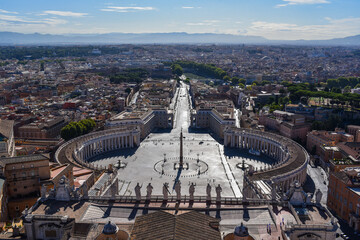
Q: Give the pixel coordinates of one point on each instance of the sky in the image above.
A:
(272, 19)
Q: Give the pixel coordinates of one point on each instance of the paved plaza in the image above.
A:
(204, 156)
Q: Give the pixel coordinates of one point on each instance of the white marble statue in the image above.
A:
(208, 192)
(178, 190)
(43, 191)
(85, 190)
(192, 191)
(273, 192)
(318, 196)
(166, 191)
(149, 189)
(63, 190)
(138, 192)
(218, 190)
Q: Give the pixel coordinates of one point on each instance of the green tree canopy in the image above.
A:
(177, 69)
(75, 129)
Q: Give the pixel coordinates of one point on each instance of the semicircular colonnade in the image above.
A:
(290, 158)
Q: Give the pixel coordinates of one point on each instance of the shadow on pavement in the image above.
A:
(309, 185)
(244, 153)
(127, 152)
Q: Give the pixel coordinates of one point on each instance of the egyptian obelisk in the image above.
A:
(181, 149)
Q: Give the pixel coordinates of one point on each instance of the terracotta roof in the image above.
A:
(20, 159)
(342, 176)
(55, 171)
(72, 209)
(78, 181)
(194, 225)
(81, 229)
(158, 225)
(81, 171)
(163, 225)
(346, 148)
(5, 127)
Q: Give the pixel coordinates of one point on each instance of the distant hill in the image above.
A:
(12, 38)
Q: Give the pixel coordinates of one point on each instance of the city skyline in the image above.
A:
(274, 20)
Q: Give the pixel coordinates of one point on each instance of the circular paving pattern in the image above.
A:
(192, 167)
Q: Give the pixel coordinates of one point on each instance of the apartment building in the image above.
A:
(316, 138)
(23, 177)
(146, 120)
(355, 131)
(48, 128)
(211, 118)
(287, 124)
(344, 195)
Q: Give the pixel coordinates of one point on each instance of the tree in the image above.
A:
(75, 129)
(331, 83)
(128, 90)
(347, 89)
(271, 100)
(285, 83)
(127, 75)
(284, 100)
(242, 80)
(343, 82)
(42, 65)
(317, 125)
(353, 81)
(235, 81)
(312, 87)
(206, 70)
(227, 78)
(304, 100)
(241, 85)
(177, 69)
(263, 83)
(336, 90)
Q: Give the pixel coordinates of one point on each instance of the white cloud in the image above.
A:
(332, 29)
(13, 20)
(204, 23)
(9, 18)
(301, 2)
(64, 13)
(127, 9)
(187, 7)
(4, 11)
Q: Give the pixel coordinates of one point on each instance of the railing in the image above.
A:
(307, 158)
(184, 199)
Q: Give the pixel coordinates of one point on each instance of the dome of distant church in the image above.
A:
(241, 231)
(110, 228)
